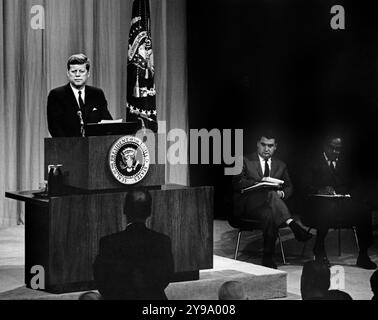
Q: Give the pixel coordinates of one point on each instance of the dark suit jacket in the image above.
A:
(62, 108)
(251, 174)
(135, 264)
(317, 174)
(327, 212)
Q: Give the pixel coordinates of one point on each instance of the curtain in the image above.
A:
(33, 61)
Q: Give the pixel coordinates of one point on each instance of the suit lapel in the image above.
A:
(274, 168)
(256, 161)
(87, 102)
(328, 168)
(71, 98)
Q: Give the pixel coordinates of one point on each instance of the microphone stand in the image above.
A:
(82, 130)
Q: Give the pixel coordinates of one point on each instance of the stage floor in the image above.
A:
(356, 279)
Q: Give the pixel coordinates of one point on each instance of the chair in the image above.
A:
(337, 225)
(311, 221)
(338, 228)
(243, 224)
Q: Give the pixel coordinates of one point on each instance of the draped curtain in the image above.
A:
(33, 61)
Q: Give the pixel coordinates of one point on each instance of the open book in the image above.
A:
(266, 182)
(331, 195)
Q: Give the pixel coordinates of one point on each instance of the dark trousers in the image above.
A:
(272, 211)
(326, 213)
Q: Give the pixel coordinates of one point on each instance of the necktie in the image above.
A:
(267, 170)
(81, 102)
(332, 166)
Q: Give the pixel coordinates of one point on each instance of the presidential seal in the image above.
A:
(129, 160)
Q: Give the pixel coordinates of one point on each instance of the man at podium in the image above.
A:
(72, 106)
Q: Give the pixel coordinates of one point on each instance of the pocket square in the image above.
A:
(94, 109)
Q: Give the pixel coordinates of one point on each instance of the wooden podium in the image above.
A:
(62, 233)
(84, 163)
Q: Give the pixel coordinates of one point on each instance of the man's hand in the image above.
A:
(328, 190)
(281, 194)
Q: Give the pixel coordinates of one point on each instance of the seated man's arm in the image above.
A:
(288, 185)
(242, 180)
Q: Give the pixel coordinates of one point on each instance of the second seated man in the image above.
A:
(325, 180)
(265, 204)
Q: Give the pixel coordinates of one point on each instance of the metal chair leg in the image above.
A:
(282, 250)
(339, 236)
(305, 244)
(356, 238)
(237, 244)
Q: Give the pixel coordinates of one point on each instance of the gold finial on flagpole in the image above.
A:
(136, 88)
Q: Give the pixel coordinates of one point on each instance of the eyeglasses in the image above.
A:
(334, 148)
(269, 145)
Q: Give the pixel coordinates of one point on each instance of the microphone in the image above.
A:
(146, 117)
(82, 130)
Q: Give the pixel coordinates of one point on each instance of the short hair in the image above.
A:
(231, 290)
(267, 133)
(331, 136)
(90, 295)
(79, 58)
(138, 205)
(337, 295)
(374, 282)
(316, 275)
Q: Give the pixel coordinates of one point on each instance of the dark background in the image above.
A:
(280, 63)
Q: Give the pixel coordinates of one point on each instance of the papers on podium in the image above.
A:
(266, 182)
(111, 121)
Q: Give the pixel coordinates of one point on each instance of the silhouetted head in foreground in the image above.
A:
(337, 295)
(315, 280)
(137, 205)
(231, 290)
(91, 295)
(374, 284)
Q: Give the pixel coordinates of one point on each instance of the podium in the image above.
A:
(62, 233)
(84, 163)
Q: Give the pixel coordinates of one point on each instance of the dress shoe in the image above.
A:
(323, 259)
(269, 263)
(363, 261)
(300, 234)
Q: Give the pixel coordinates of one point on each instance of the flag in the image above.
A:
(141, 92)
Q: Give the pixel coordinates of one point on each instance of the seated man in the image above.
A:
(324, 179)
(137, 263)
(75, 104)
(266, 205)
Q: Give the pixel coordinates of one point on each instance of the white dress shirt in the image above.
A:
(262, 163)
(329, 161)
(76, 94)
